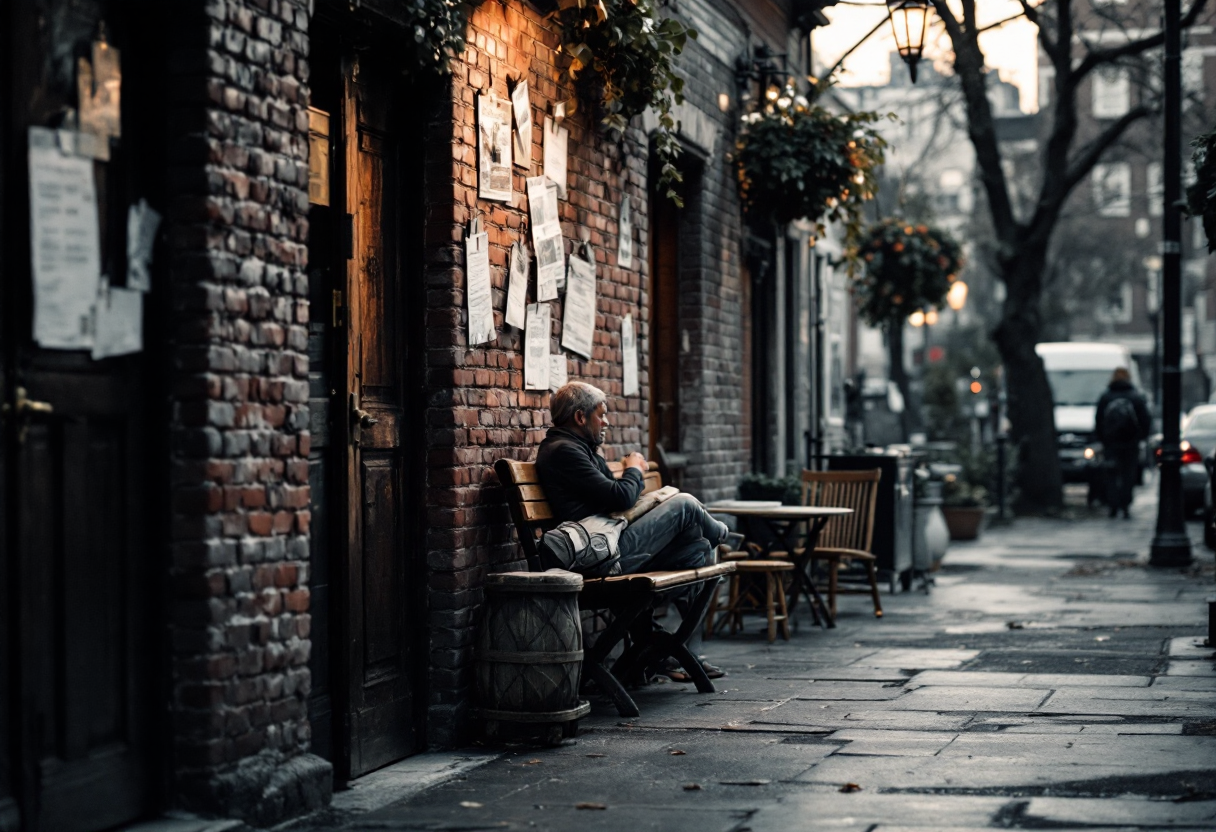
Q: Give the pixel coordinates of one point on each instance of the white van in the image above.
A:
(1078, 373)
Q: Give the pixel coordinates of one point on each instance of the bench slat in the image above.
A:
(522, 473)
(535, 512)
(531, 493)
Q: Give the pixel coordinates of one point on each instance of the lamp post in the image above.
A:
(1171, 546)
(909, 20)
(1152, 307)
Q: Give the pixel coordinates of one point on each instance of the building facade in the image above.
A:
(248, 506)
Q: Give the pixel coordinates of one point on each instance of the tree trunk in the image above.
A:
(897, 372)
(1031, 415)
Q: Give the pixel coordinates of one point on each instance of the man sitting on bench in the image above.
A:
(677, 534)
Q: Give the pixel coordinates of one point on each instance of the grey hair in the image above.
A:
(575, 397)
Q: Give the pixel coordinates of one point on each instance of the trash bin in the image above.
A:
(530, 654)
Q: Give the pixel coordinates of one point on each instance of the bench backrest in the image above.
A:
(530, 509)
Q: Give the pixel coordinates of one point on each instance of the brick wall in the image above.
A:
(478, 410)
(238, 231)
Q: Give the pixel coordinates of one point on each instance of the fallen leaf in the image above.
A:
(1015, 625)
(675, 752)
(1101, 638)
(597, 755)
(590, 806)
(850, 787)
(470, 804)
(744, 782)
(532, 762)
(692, 787)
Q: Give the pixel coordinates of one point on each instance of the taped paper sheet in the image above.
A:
(64, 243)
(493, 148)
(522, 109)
(477, 288)
(559, 371)
(142, 222)
(624, 251)
(578, 316)
(517, 285)
(546, 237)
(556, 141)
(536, 347)
(120, 319)
(629, 356)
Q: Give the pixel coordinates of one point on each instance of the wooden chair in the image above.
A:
(739, 597)
(630, 599)
(845, 538)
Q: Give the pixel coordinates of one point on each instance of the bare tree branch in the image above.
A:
(1097, 57)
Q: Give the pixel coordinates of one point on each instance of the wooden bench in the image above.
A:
(630, 599)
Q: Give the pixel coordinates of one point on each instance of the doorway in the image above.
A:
(78, 644)
(367, 558)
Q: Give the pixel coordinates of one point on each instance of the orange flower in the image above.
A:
(898, 247)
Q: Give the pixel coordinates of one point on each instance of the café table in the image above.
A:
(784, 523)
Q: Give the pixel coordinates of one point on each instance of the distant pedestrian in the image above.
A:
(1121, 422)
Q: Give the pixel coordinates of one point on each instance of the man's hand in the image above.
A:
(635, 460)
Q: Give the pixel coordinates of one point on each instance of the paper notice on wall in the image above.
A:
(517, 285)
(142, 223)
(119, 322)
(578, 316)
(522, 108)
(556, 141)
(624, 251)
(493, 148)
(477, 288)
(64, 243)
(629, 357)
(536, 346)
(559, 372)
(546, 237)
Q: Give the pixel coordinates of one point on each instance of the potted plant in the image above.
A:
(963, 505)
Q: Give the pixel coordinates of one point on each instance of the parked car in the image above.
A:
(1198, 443)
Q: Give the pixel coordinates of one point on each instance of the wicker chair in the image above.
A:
(845, 538)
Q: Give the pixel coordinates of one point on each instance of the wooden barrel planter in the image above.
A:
(530, 654)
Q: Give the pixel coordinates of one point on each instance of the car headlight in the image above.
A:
(1089, 453)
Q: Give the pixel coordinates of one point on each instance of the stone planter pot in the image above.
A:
(964, 522)
(931, 536)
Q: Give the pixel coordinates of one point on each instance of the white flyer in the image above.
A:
(559, 372)
(556, 140)
(624, 251)
(493, 148)
(65, 243)
(578, 316)
(119, 322)
(536, 347)
(629, 357)
(522, 108)
(142, 222)
(477, 288)
(517, 286)
(546, 237)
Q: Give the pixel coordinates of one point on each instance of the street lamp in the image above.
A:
(909, 20)
(1152, 307)
(956, 298)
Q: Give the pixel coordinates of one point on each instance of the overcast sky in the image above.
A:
(1010, 48)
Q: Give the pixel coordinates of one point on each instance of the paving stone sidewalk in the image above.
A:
(1049, 680)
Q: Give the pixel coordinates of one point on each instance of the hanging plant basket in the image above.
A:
(906, 268)
(435, 32)
(796, 160)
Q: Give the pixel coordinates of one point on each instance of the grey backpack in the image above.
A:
(587, 546)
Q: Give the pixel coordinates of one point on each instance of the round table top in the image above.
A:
(777, 512)
(725, 504)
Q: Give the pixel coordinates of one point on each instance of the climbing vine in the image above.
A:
(436, 32)
(621, 62)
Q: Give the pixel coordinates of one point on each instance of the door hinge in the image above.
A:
(339, 317)
(348, 236)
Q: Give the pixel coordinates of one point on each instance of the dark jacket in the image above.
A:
(1122, 390)
(576, 479)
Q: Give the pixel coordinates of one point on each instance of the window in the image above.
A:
(1111, 92)
(1154, 188)
(1113, 189)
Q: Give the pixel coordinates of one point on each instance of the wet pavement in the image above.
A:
(1049, 679)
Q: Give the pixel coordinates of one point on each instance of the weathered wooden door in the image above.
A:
(380, 558)
(78, 577)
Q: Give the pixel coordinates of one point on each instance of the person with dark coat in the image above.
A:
(1121, 422)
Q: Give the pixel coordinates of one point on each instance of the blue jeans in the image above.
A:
(677, 534)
